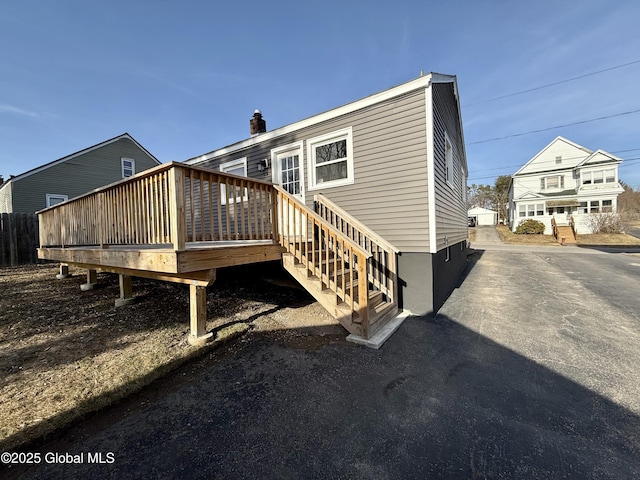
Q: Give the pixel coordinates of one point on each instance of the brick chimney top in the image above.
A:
(257, 124)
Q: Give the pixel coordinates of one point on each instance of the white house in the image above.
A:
(563, 181)
(483, 216)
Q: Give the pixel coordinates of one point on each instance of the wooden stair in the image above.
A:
(354, 279)
(379, 308)
(567, 232)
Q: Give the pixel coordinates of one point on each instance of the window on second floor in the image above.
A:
(597, 177)
(556, 181)
(128, 167)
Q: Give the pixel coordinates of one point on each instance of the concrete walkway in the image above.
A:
(486, 234)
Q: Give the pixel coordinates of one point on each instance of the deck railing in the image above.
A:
(383, 273)
(340, 263)
(171, 205)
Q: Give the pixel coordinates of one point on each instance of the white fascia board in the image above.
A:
(82, 152)
(529, 196)
(614, 159)
(431, 181)
(420, 82)
(546, 173)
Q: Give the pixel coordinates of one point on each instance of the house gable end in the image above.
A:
(599, 157)
(559, 154)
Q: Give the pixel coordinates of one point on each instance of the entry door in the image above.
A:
(288, 170)
(288, 173)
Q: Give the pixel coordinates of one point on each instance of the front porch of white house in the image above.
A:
(563, 211)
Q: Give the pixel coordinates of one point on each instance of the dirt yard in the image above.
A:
(65, 353)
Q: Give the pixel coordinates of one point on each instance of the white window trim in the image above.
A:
(544, 182)
(133, 166)
(233, 164)
(275, 169)
(55, 196)
(448, 160)
(588, 175)
(345, 134)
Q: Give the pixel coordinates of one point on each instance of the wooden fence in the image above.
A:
(18, 239)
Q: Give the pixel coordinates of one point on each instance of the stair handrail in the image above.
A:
(330, 227)
(320, 198)
(572, 224)
(383, 269)
(344, 249)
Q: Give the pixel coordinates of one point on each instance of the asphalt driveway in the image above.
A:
(529, 371)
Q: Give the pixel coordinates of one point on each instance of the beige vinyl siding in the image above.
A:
(6, 205)
(451, 211)
(78, 175)
(389, 193)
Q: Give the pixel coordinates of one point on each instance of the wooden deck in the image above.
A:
(180, 223)
(197, 256)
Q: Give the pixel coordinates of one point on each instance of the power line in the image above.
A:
(552, 84)
(553, 128)
(552, 161)
(625, 163)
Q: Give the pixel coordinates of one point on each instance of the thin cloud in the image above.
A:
(18, 111)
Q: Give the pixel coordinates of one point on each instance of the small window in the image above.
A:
(540, 209)
(607, 206)
(598, 177)
(610, 176)
(595, 206)
(448, 160)
(558, 160)
(583, 207)
(128, 167)
(54, 199)
(234, 167)
(531, 210)
(522, 211)
(586, 178)
(330, 160)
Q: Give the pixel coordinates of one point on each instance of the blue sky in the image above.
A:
(184, 78)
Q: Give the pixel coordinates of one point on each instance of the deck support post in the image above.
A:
(198, 315)
(92, 280)
(126, 291)
(64, 272)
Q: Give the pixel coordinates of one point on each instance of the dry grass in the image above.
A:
(64, 353)
(617, 239)
(507, 236)
(472, 235)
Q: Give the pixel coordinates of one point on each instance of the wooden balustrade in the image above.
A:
(171, 204)
(340, 263)
(383, 273)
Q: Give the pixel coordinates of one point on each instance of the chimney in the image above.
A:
(257, 124)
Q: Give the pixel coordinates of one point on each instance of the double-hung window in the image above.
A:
(128, 167)
(330, 160)
(234, 167)
(448, 160)
(556, 181)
